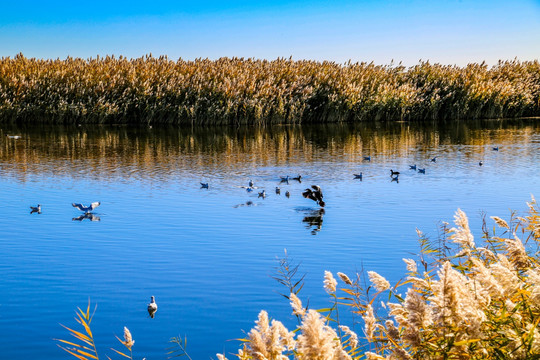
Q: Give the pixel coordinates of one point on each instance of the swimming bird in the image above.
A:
(392, 172)
(422, 171)
(14, 137)
(285, 179)
(358, 176)
(481, 163)
(35, 209)
(152, 307)
(495, 148)
(250, 184)
(434, 159)
(315, 194)
(367, 158)
(287, 194)
(262, 194)
(278, 190)
(204, 185)
(298, 178)
(412, 167)
(87, 209)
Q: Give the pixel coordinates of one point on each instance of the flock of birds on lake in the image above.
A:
(313, 193)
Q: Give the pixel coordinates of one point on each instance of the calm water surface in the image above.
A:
(208, 255)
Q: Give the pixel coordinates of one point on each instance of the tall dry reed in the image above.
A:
(462, 301)
(249, 91)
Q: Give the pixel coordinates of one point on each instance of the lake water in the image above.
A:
(208, 255)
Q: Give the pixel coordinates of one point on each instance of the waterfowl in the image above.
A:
(87, 209)
(392, 172)
(284, 178)
(14, 137)
(262, 194)
(278, 190)
(367, 158)
(35, 209)
(298, 178)
(434, 159)
(481, 163)
(495, 148)
(204, 185)
(315, 195)
(358, 176)
(287, 194)
(152, 307)
(412, 167)
(250, 184)
(422, 171)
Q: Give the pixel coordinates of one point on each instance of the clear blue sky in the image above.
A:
(448, 32)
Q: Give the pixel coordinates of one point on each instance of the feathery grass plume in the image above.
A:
(221, 357)
(502, 223)
(317, 341)
(373, 356)
(378, 281)
(128, 342)
(267, 342)
(370, 322)
(330, 283)
(411, 265)
(461, 234)
(353, 338)
(345, 278)
(296, 305)
(516, 252)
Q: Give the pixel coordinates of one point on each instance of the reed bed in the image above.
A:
(248, 91)
(461, 301)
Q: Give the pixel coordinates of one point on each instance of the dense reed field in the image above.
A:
(461, 298)
(248, 91)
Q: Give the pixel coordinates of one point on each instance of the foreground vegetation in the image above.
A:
(247, 91)
(462, 301)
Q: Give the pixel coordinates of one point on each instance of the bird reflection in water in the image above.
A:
(314, 220)
(248, 203)
(88, 216)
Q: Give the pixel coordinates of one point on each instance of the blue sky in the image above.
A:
(448, 32)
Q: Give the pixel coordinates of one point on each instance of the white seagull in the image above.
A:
(87, 209)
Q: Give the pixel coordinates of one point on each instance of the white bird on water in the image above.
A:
(152, 307)
(87, 209)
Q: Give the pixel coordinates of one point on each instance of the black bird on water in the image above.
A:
(358, 176)
(298, 178)
(204, 185)
(392, 172)
(315, 195)
(367, 158)
(434, 159)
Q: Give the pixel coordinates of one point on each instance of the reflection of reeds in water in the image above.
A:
(247, 91)
(120, 152)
